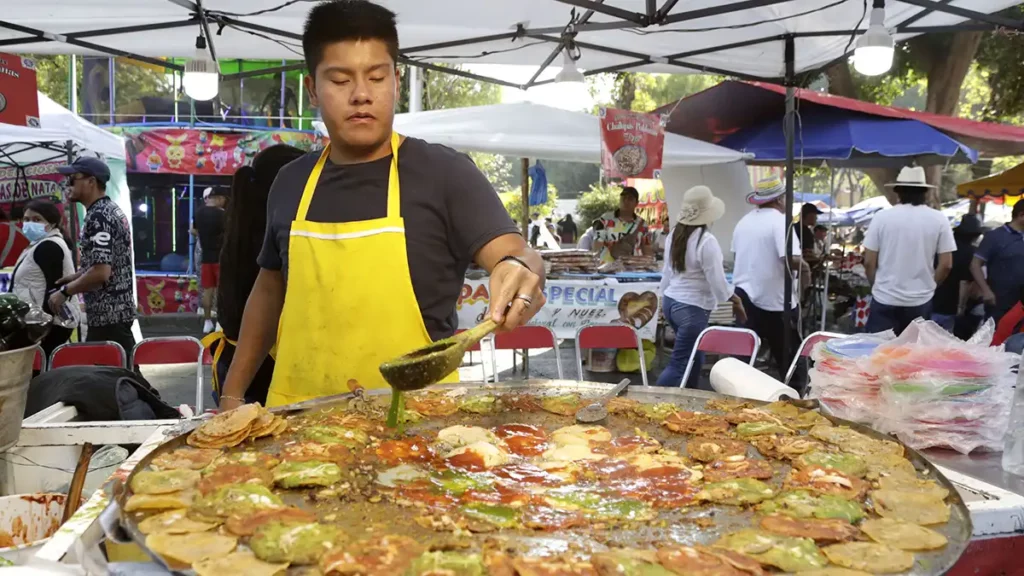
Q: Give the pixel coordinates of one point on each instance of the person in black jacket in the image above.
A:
(243, 239)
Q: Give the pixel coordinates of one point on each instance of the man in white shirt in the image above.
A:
(899, 255)
(761, 265)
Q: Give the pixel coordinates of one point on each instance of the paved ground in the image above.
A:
(177, 383)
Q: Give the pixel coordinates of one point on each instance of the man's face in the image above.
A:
(627, 204)
(355, 87)
(78, 186)
(810, 218)
(820, 234)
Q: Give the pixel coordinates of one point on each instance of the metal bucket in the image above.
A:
(15, 374)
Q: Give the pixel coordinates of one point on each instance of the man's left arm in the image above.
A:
(100, 232)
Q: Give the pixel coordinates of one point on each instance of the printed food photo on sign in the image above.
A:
(632, 143)
(638, 309)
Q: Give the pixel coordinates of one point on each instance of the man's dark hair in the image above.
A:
(913, 195)
(630, 191)
(341, 20)
(597, 224)
(1018, 210)
(820, 227)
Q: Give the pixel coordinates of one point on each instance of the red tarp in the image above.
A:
(733, 105)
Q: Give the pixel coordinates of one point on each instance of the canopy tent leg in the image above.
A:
(526, 198)
(828, 242)
(790, 126)
(70, 206)
(191, 218)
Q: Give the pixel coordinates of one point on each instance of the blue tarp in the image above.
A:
(847, 138)
(810, 197)
(539, 186)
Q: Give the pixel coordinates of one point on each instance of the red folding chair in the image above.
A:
(89, 354)
(173, 350)
(483, 365)
(806, 347)
(724, 341)
(617, 336)
(529, 338)
(39, 362)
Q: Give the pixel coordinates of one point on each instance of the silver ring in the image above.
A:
(526, 299)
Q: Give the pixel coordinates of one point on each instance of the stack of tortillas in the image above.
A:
(233, 427)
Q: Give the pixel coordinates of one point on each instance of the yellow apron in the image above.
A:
(349, 303)
(216, 342)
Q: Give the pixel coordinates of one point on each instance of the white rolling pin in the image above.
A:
(734, 378)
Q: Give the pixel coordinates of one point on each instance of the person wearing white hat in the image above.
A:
(693, 281)
(761, 264)
(900, 251)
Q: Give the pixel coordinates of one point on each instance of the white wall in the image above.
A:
(730, 182)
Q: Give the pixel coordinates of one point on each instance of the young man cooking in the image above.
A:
(367, 244)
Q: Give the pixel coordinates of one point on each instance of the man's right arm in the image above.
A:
(257, 335)
(982, 255)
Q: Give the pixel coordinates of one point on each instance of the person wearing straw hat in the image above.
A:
(761, 264)
(693, 281)
(900, 251)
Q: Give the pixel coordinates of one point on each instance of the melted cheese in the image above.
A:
(580, 434)
(459, 436)
(490, 454)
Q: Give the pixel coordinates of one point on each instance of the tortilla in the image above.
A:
(386, 556)
(870, 557)
(826, 481)
(751, 429)
(913, 507)
(785, 447)
(241, 563)
(750, 415)
(738, 467)
(714, 448)
(186, 459)
(913, 484)
(833, 571)
(625, 561)
(828, 530)
(903, 535)
(246, 524)
(563, 405)
(687, 560)
(432, 404)
(200, 440)
(806, 504)
(849, 464)
(306, 473)
(293, 543)
(236, 499)
(165, 482)
(695, 423)
(727, 404)
(234, 474)
(882, 465)
(738, 492)
(226, 429)
(174, 522)
(247, 458)
(159, 501)
(185, 549)
(786, 553)
(620, 405)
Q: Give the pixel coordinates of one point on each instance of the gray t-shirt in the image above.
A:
(449, 207)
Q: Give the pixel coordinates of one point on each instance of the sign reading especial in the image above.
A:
(632, 143)
(575, 303)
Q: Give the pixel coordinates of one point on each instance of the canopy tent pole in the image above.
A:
(191, 199)
(828, 241)
(69, 147)
(526, 198)
(790, 126)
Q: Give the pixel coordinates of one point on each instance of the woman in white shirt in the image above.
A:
(693, 281)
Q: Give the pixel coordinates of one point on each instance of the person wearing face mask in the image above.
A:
(46, 260)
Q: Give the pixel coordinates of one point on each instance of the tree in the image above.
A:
(132, 81)
(643, 92)
(600, 199)
(513, 201)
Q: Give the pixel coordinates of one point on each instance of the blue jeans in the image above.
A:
(896, 318)
(947, 321)
(687, 321)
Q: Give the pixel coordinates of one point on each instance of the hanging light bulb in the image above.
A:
(875, 49)
(569, 72)
(201, 80)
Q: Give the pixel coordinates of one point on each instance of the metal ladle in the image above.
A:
(430, 364)
(598, 411)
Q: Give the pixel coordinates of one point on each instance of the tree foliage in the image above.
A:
(132, 80)
(601, 198)
(644, 92)
(513, 201)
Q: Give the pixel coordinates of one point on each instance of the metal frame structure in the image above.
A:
(158, 340)
(505, 335)
(88, 345)
(654, 16)
(704, 332)
(639, 347)
(803, 352)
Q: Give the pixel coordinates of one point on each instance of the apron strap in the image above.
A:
(394, 200)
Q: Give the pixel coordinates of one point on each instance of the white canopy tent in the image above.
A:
(532, 130)
(739, 38)
(61, 137)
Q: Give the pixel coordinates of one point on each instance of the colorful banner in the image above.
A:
(19, 104)
(575, 303)
(652, 207)
(203, 152)
(632, 143)
(36, 181)
(167, 294)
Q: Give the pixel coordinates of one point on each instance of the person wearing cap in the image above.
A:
(693, 282)
(1001, 253)
(900, 251)
(105, 276)
(209, 226)
(625, 233)
(950, 300)
(761, 264)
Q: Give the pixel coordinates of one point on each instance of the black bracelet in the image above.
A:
(516, 259)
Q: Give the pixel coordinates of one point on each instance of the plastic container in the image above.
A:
(15, 374)
(26, 522)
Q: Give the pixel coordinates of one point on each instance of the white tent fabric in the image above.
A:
(57, 126)
(529, 130)
(686, 36)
